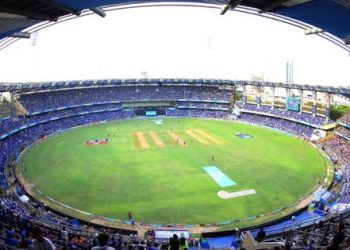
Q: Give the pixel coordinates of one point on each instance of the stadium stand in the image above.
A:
(278, 123)
(66, 98)
(344, 132)
(338, 148)
(301, 116)
(51, 112)
(18, 222)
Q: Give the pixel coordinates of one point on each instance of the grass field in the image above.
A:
(156, 171)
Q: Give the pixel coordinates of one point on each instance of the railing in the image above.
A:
(203, 108)
(344, 125)
(205, 101)
(298, 225)
(342, 136)
(3, 246)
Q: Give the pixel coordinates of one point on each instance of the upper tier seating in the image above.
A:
(304, 117)
(65, 98)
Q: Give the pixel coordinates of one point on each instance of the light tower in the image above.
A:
(289, 72)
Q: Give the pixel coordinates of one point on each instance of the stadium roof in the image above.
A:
(25, 87)
(332, 16)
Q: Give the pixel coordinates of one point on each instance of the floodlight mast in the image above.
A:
(231, 5)
(98, 11)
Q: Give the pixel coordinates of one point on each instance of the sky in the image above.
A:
(174, 42)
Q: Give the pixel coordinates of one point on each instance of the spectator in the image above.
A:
(174, 242)
(103, 242)
(64, 234)
(337, 239)
(183, 242)
(261, 235)
(41, 242)
(12, 239)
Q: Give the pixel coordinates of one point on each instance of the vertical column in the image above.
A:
(292, 73)
(12, 103)
(233, 98)
(287, 73)
(301, 93)
(244, 98)
(287, 94)
(273, 91)
(258, 97)
(328, 106)
(314, 107)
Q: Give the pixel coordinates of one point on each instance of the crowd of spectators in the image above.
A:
(343, 131)
(186, 112)
(26, 226)
(278, 123)
(8, 125)
(79, 107)
(279, 112)
(65, 98)
(75, 107)
(25, 231)
(338, 148)
(204, 105)
(331, 234)
(344, 194)
(21, 228)
(345, 119)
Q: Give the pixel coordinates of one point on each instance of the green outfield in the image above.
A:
(154, 168)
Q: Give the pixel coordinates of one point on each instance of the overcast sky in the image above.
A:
(174, 42)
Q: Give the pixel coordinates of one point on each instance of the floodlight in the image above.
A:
(312, 31)
(21, 35)
(231, 5)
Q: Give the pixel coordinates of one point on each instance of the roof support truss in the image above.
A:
(25, 12)
(273, 4)
(61, 7)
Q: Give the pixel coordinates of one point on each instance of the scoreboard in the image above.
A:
(293, 103)
(151, 112)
